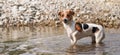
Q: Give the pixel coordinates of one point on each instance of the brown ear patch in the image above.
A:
(78, 26)
(59, 13)
(72, 12)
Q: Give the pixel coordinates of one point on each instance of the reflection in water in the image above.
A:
(86, 49)
(24, 33)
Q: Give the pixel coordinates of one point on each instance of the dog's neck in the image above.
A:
(70, 27)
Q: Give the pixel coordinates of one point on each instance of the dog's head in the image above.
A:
(66, 16)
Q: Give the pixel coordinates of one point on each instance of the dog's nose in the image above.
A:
(65, 20)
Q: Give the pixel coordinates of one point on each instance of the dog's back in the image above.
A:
(88, 29)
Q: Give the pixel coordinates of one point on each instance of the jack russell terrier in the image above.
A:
(77, 30)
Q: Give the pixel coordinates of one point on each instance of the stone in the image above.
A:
(22, 8)
(22, 47)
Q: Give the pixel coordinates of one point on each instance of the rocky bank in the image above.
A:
(44, 12)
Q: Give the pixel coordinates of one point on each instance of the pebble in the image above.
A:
(22, 47)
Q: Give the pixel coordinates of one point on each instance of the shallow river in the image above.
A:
(53, 41)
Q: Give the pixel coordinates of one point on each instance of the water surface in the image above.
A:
(53, 41)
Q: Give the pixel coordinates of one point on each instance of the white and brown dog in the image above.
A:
(77, 30)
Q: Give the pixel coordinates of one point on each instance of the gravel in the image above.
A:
(32, 12)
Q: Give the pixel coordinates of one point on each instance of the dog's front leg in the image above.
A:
(71, 38)
(74, 34)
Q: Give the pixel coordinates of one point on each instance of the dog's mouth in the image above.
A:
(67, 21)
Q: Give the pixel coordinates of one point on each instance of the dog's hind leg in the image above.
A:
(99, 36)
(93, 39)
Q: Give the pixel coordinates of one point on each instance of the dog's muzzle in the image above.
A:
(65, 20)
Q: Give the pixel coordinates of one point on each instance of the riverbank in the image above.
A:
(44, 12)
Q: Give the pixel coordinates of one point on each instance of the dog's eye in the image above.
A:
(68, 15)
(62, 15)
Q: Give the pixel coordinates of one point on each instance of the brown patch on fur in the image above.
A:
(78, 27)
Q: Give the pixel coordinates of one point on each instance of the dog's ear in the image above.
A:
(59, 13)
(72, 12)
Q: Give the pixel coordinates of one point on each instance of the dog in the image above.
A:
(77, 30)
